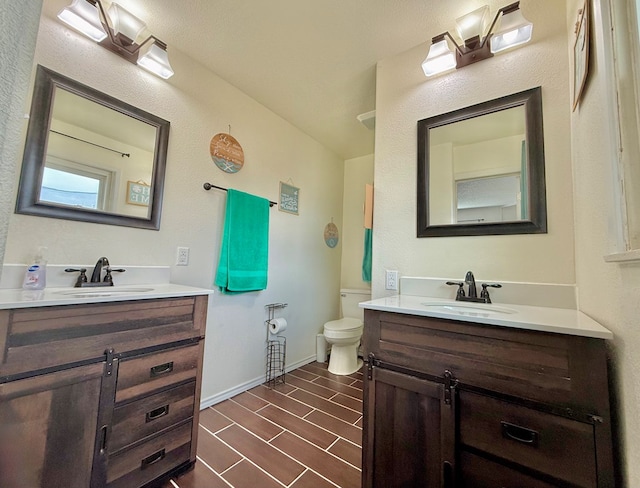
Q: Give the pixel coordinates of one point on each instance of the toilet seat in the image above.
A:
(343, 325)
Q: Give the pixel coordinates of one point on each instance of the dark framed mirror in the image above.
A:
(481, 169)
(91, 157)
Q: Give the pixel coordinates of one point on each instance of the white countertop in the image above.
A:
(544, 319)
(18, 298)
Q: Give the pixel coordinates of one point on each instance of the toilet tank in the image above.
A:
(349, 299)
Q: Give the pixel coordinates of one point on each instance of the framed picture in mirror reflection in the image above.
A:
(138, 193)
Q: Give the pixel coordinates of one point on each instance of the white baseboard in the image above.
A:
(236, 390)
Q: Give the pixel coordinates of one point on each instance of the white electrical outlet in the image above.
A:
(391, 282)
(182, 257)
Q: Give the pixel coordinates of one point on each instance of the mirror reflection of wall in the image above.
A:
(92, 152)
(476, 169)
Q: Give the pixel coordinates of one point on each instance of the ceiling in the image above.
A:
(311, 62)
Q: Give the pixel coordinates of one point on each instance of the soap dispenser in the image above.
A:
(35, 278)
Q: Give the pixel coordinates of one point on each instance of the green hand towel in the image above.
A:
(366, 258)
(244, 253)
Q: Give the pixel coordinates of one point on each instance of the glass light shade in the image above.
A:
(473, 24)
(514, 31)
(440, 59)
(156, 60)
(85, 18)
(124, 22)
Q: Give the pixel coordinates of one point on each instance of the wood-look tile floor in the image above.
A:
(306, 433)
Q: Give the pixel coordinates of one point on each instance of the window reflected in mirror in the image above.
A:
(74, 185)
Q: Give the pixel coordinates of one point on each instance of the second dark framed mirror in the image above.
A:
(91, 157)
(481, 169)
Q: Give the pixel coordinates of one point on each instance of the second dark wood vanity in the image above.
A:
(449, 403)
(100, 394)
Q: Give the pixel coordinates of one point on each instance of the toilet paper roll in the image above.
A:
(277, 325)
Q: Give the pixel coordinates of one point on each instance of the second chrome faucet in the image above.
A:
(472, 295)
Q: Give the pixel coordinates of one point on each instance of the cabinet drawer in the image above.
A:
(478, 472)
(538, 366)
(559, 447)
(144, 374)
(46, 337)
(137, 420)
(144, 463)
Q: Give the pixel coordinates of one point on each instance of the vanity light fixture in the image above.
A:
(117, 30)
(514, 31)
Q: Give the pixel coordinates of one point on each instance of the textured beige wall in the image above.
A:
(405, 96)
(19, 21)
(357, 173)
(608, 292)
(303, 271)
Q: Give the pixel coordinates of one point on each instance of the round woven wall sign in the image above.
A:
(331, 235)
(227, 153)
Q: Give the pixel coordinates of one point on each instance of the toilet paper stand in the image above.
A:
(276, 350)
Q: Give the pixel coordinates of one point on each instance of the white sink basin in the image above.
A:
(107, 291)
(471, 309)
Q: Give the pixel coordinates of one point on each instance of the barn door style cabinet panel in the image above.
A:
(456, 404)
(101, 394)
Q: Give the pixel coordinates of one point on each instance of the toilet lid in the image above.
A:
(343, 324)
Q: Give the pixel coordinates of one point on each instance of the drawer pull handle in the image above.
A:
(103, 439)
(157, 413)
(519, 434)
(447, 475)
(154, 458)
(162, 369)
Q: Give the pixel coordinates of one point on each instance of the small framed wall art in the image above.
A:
(331, 235)
(289, 198)
(138, 193)
(226, 152)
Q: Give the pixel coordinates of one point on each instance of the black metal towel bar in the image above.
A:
(208, 186)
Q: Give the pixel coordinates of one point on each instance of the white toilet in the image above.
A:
(344, 334)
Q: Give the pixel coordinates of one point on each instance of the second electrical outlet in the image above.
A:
(182, 257)
(391, 280)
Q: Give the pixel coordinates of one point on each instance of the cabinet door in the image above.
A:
(409, 432)
(48, 428)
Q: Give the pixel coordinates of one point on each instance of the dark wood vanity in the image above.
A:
(458, 404)
(100, 394)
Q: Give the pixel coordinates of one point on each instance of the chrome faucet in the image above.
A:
(472, 295)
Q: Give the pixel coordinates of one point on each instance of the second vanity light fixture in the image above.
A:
(514, 30)
(117, 30)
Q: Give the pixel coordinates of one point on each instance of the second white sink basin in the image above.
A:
(472, 309)
(107, 291)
